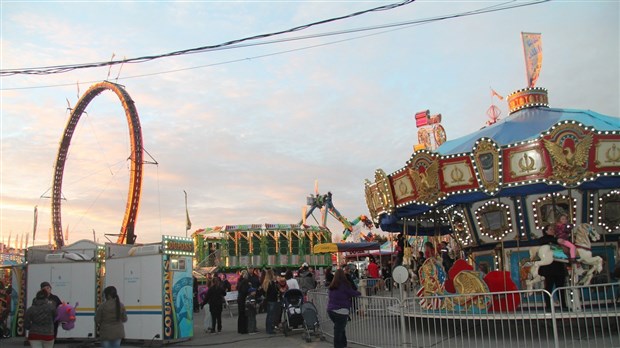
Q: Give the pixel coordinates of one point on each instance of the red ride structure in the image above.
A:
(126, 235)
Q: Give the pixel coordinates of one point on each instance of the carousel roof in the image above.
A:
(536, 149)
(528, 124)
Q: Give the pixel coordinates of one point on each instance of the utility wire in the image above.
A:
(64, 68)
(394, 26)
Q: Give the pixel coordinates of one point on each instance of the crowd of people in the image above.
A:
(258, 291)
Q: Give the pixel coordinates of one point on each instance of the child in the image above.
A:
(250, 311)
(562, 233)
(205, 305)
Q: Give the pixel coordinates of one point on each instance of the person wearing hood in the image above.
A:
(39, 321)
(306, 279)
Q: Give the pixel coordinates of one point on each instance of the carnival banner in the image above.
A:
(532, 49)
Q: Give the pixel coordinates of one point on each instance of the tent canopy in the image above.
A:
(342, 247)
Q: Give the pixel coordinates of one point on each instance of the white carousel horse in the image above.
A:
(583, 234)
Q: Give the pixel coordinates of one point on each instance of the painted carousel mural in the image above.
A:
(491, 193)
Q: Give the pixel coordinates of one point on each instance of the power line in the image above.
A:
(394, 26)
(65, 68)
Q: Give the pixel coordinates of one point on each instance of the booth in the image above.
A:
(154, 282)
(75, 273)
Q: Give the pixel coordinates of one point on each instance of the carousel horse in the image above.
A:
(583, 233)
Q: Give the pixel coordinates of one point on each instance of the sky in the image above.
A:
(246, 131)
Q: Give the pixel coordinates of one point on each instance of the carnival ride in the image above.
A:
(492, 190)
(583, 233)
(325, 204)
(127, 230)
(233, 247)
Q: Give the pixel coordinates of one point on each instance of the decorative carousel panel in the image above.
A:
(568, 146)
(606, 154)
(549, 207)
(494, 220)
(374, 201)
(609, 211)
(525, 163)
(424, 171)
(457, 175)
(403, 188)
(487, 161)
(461, 228)
(384, 188)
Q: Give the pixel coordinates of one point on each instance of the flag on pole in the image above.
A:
(495, 94)
(532, 49)
(34, 228)
(188, 222)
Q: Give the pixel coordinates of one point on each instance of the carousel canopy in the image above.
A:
(534, 150)
(528, 124)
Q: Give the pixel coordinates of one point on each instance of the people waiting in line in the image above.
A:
(110, 317)
(39, 321)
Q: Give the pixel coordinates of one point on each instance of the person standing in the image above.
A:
(110, 317)
(291, 282)
(339, 306)
(39, 321)
(195, 294)
(400, 249)
(306, 279)
(271, 298)
(242, 293)
(215, 299)
(250, 311)
(555, 273)
(55, 300)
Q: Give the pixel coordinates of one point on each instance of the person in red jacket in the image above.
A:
(373, 268)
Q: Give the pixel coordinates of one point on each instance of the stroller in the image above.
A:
(292, 301)
(312, 325)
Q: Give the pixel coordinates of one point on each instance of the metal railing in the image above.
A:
(501, 319)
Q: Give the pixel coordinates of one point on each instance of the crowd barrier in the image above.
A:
(501, 319)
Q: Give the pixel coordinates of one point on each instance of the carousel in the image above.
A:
(491, 192)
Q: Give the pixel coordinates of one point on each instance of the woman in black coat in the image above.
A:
(242, 288)
(215, 298)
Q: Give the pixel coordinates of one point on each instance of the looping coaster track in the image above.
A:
(127, 235)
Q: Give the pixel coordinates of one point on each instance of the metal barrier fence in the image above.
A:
(473, 320)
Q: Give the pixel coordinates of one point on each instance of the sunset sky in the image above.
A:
(248, 129)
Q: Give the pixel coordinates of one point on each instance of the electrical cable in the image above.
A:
(64, 68)
(394, 26)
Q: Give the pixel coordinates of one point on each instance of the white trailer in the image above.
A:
(154, 282)
(75, 274)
